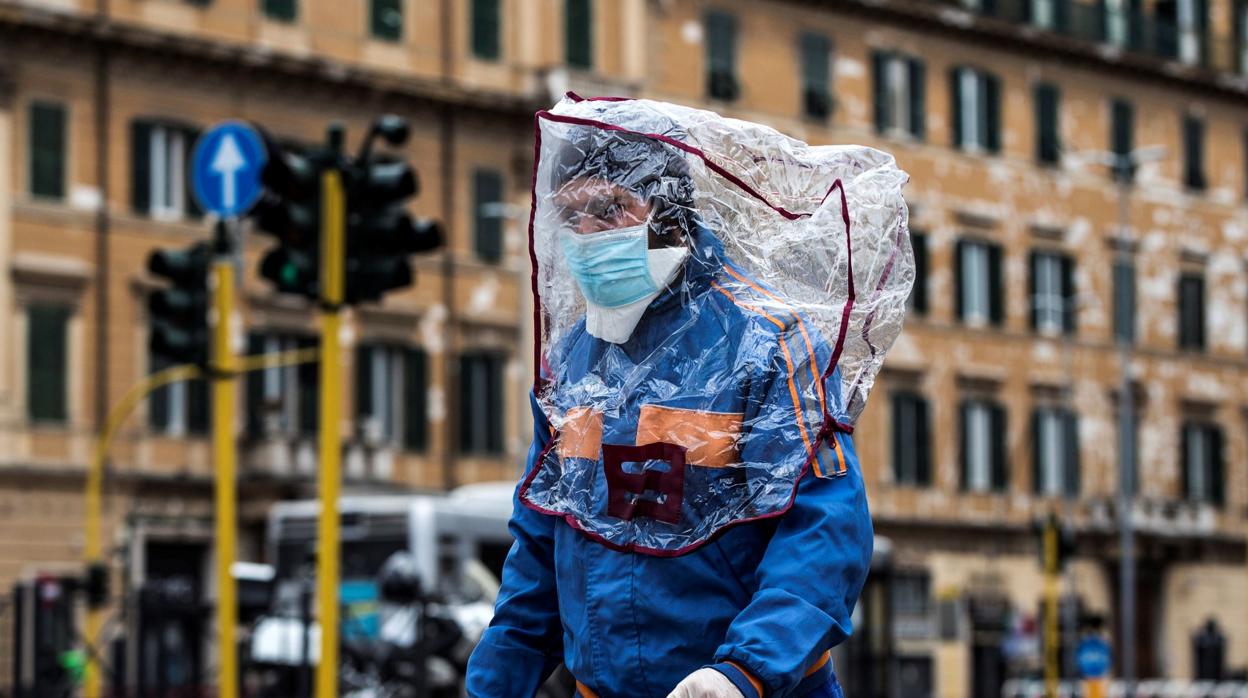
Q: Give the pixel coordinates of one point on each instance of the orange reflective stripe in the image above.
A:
(810, 349)
(581, 436)
(583, 691)
(758, 685)
(797, 403)
(710, 438)
(827, 657)
(840, 455)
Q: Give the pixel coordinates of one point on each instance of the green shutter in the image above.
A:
(918, 98)
(140, 166)
(283, 10)
(47, 365)
(996, 286)
(879, 90)
(1072, 474)
(918, 292)
(385, 19)
(992, 111)
(415, 376)
(1048, 144)
(486, 29)
(1194, 152)
(579, 33)
(1122, 133)
(721, 55)
(1124, 301)
(816, 58)
(955, 106)
(488, 225)
(47, 150)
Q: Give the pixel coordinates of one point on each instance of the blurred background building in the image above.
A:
(996, 407)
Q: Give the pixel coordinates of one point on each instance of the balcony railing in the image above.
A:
(1131, 32)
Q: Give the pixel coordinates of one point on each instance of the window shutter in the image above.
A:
(917, 75)
(46, 358)
(255, 389)
(1061, 15)
(495, 399)
(815, 52)
(1000, 470)
(1185, 458)
(1047, 140)
(1124, 301)
(363, 382)
(283, 10)
(1122, 135)
(958, 279)
(1033, 269)
(197, 407)
(486, 26)
(992, 112)
(47, 150)
(414, 403)
(140, 166)
(964, 446)
(189, 137)
(918, 292)
(1070, 306)
(1217, 486)
(308, 376)
(1193, 149)
(923, 467)
(1037, 452)
(488, 189)
(955, 106)
(996, 299)
(879, 90)
(1071, 476)
(1202, 28)
(721, 30)
(578, 33)
(899, 430)
(386, 19)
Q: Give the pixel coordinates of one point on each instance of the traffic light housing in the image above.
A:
(1064, 544)
(290, 211)
(179, 312)
(381, 234)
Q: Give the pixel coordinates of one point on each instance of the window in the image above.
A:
(1202, 463)
(913, 607)
(390, 393)
(1194, 153)
(1192, 21)
(1048, 133)
(1122, 137)
(1055, 452)
(912, 461)
(578, 33)
(178, 408)
(918, 292)
(1052, 293)
(47, 150)
(1191, 311)
(282, 400)
(282, 10)
(486, 29)
(385, 19)
(1241, 35)
(979, 288)
(160, 182)
(1124, 301)
(1049, 14)
(721, 56)
(976, 100)
(983, 447)
(1120, 22)
(816, 56)
(899, 89)
(487, 215)
(481, 402)
(47, 361)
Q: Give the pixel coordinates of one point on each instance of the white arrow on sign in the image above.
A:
(226, 163)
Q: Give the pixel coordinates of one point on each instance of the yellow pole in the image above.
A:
(1050, 616)
(332, 282)
(223, 456)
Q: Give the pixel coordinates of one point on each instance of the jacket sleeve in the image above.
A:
(523, 643)
(812, 571)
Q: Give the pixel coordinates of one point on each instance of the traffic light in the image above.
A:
(381, 234)
(1063, 540)
(290, 210)
(179, 313)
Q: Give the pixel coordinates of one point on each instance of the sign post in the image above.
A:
(1093, 658)
(226, 170)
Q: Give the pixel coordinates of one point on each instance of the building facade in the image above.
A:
(997, 406)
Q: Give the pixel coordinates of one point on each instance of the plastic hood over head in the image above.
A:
(713, 301)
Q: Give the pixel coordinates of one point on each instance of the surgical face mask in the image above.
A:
(612, 267)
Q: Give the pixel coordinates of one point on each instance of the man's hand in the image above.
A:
(705, 683)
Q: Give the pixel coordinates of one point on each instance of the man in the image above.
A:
(692, 522)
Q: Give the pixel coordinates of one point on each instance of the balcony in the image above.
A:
(1157, 36)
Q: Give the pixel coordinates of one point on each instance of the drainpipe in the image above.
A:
(102, 275)
(450, 352)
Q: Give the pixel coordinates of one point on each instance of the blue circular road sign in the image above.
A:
(226, 167)
(1093, 657)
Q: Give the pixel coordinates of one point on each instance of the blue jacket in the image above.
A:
(760, 600)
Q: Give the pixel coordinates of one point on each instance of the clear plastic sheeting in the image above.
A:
(714, 302)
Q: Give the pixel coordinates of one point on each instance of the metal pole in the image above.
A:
(1126, 457)
(223, 456)
(333, 220)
